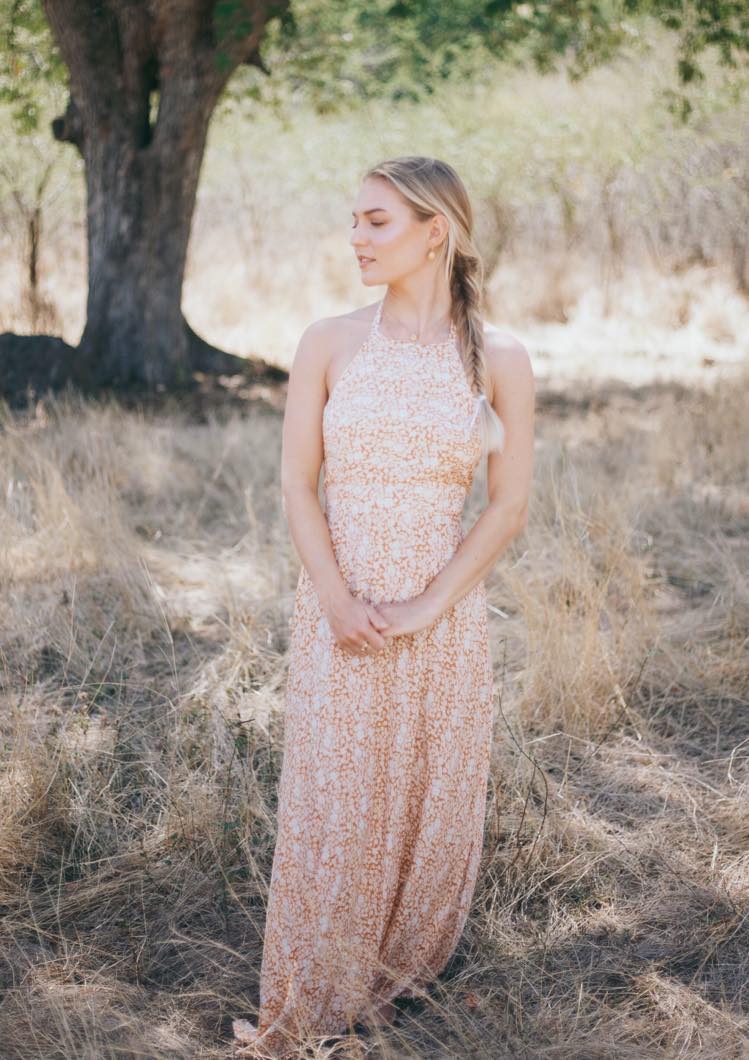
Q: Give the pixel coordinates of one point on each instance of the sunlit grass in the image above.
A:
(148, 581)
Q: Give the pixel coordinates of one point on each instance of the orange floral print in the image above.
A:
(382, 792)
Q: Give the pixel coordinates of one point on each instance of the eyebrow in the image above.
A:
(373, 210)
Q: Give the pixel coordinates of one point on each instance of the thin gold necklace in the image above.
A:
(414, 337)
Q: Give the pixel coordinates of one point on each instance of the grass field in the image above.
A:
(148, 579)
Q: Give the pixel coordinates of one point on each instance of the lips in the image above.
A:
(364, 260)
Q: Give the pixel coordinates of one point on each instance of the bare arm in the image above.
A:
(509, 476)
(301, 460)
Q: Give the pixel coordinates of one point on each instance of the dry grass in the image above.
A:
(147, 585)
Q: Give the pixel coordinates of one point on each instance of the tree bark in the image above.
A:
(145, 76)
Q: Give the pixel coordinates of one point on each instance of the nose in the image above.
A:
(355, 238)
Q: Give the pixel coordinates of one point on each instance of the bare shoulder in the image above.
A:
(330, 332)
(327, 344)
(507, 360)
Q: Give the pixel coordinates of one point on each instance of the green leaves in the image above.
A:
(340, 53)
(29, 61)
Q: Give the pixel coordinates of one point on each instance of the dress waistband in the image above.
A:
(359, 500)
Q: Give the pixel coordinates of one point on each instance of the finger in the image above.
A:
(375, 639)
(367, 642)
(358, 645)
(377, 619)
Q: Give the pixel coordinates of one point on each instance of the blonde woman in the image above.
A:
(388, 719)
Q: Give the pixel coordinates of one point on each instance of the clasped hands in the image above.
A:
(362, 628)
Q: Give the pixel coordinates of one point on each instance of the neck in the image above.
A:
(425, 316)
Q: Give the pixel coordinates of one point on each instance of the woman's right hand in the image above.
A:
(356, 624)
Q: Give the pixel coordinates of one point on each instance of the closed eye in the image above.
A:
(376, 224)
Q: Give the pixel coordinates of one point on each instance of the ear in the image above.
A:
(440, 227)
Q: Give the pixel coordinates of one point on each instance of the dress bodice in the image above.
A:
(401, 445)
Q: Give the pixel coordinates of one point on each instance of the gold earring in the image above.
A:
(431, 255)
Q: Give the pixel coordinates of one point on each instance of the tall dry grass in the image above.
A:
(147, 583)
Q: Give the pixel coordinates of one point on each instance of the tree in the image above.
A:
(144, 81)
(146, 75)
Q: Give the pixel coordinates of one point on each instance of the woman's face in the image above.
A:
(386, 235)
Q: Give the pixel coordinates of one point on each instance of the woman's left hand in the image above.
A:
(407, 616)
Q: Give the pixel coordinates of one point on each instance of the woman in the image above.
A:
(388, 719)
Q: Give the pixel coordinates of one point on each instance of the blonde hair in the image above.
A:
(431, 186)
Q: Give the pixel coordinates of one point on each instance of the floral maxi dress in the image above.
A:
(382, 793)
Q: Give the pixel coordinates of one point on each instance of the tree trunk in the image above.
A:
(144, 80)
